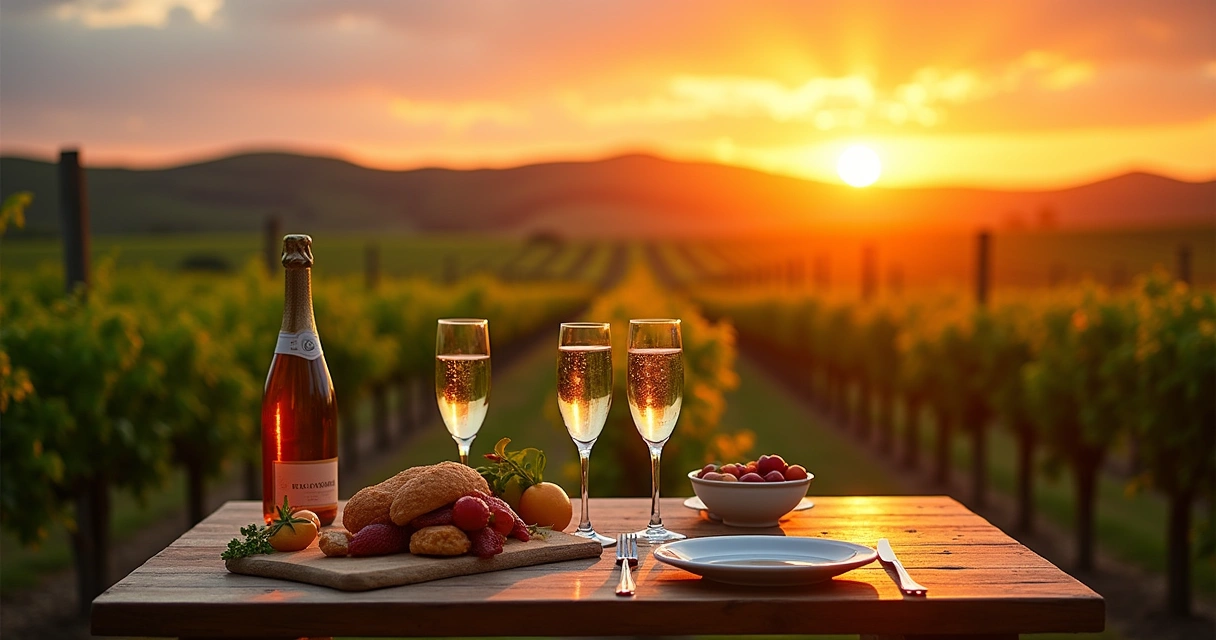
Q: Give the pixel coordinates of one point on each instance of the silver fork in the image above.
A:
(627, 556)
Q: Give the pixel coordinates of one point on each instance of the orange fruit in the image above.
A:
(545, 505)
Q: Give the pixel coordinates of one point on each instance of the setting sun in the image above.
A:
(859, 166)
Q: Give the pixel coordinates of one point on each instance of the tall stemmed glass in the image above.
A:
(584, 396)
(656, 391)
(462, 378)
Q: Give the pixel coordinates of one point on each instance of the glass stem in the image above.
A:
(463, 445)
(655, 453)
(584, 459)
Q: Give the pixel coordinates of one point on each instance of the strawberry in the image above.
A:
(505, 519)
(436, 518)
(379, 540)
(470, 513)
(520, 531)
(487, 543)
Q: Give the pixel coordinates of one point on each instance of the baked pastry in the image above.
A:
(394, 483)
(369, 506)
(436, 486)
(443, 540)
(334, 542)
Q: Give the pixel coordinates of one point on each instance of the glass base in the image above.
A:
(591, 534)
(658, 535)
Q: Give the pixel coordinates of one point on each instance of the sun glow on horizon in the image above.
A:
(859, 166)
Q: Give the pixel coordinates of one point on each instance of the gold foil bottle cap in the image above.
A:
(297, 251)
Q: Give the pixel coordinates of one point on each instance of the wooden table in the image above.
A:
(981, 583)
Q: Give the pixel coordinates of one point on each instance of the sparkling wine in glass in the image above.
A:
(656, 391)
(462, 378)
(584, 396)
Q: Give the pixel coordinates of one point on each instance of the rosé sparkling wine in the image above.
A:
(299, 412)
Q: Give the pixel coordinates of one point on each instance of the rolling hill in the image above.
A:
(632, 195)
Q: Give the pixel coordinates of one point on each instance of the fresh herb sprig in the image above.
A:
(257, 541)
(526, 467)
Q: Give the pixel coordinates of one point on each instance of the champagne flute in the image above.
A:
(656, 391)
(462, 378)
(584, 396)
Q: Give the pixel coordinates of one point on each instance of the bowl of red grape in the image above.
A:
(751, 494)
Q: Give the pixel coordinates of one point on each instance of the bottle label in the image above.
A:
(307, 483)
(305, 344)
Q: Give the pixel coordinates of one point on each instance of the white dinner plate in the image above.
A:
(765, 561)
(695, 503)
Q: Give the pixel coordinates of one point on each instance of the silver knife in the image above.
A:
(906, 583)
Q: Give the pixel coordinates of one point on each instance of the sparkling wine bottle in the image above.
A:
(299, 412)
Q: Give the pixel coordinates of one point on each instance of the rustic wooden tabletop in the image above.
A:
(981, 582)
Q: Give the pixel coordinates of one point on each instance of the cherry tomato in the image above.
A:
(545, 505)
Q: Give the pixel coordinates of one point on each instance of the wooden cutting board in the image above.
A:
(362, 574)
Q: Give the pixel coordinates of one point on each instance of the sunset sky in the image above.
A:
(1026, 94)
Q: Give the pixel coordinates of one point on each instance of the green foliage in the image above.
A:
(153, 368)
(526, 467)
(83, 417)
(1081, 382)
(1175, 374)
(13, 210)
(1085, 368)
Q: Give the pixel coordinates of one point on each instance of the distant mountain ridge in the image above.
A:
(633, 195)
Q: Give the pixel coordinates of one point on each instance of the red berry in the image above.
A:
(774, 476)
(751, 477)
(436, 518)
(486, 543)
(771, 463)
(751, 467)
(733, 469)
(505, 519)
(520, 531)
(709, 468)
(470, 513)
(796, 472)
(379, 540)
(501, 520)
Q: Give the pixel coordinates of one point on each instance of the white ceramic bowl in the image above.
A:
(749, 504)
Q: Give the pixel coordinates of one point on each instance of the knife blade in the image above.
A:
(906, 583)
